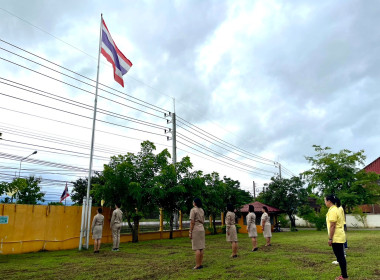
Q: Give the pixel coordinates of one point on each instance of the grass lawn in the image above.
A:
(293, 255)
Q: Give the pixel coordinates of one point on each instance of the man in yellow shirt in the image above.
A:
(335, 230)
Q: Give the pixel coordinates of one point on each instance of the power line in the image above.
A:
(219, 154)
(81, 105)
(83, 76)
(53, 108)
(236, 167)
(226, 143)
(78, 88)
(79, 126)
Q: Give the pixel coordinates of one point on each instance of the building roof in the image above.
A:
(259, 207)
(373, 166)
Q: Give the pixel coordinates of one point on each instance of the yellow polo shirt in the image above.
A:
(335, 215)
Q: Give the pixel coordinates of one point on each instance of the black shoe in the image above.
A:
(235, 256)
(255, 249)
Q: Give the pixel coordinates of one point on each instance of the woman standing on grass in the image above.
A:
(335, 230)
(97, 229)
(266, 225)
(231, 234)
(197, 232)
(251, 227)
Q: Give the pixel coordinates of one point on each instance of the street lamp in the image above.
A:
(35, 152)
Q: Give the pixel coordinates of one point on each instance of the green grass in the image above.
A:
(294, 255)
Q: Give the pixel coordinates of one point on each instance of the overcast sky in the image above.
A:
(270, 77)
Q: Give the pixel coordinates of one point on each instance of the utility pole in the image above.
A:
(173, 131)
(279, 168)
(174, 139)
(254, 189)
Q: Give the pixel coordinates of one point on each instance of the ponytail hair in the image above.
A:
(334, 199)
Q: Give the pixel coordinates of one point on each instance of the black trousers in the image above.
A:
(338, 249)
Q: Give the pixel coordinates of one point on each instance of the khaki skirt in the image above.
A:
(252, 231)
(198, 240)
(97, 232)
(267, 231)
(233, 234)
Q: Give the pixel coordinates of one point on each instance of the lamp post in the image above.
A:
(19, 171)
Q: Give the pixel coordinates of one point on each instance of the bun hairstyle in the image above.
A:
(334, 199)
(198, 202)
(230, 207)
(265, 209)
(251, 208)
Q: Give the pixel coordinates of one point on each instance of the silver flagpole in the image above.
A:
(93, 124)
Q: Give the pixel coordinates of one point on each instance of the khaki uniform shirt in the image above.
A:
(117, 217)
(198, 216)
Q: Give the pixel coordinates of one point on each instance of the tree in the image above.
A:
(129, 179)
(286, 194)
(80, 188)
(340, 174)
(26, 191)
(234, 195)
(168, 190)
(56, 203)
(213, 197)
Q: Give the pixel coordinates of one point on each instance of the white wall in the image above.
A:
(373, 220)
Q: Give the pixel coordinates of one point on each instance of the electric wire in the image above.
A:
(81, 105)
(219, 154)
(226, 143)
(79, 126)
(156, 108)
(53, 108)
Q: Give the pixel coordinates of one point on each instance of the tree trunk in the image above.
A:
(135, 230)
(214, 224)
(171, 225)
(292, 221)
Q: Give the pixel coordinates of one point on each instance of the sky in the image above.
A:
(263, 80)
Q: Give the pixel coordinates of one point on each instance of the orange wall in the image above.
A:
(33, 228)
(244, 227)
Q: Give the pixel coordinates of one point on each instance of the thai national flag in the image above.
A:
(120, 63)
(65, 193)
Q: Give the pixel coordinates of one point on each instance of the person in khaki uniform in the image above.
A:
(116, 220)
(251, 227)
(97, 229)
(267, 227)
(231, 234)
(197, 232)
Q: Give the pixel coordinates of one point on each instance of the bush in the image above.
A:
(360, 216)
(316, 218)
(284, 221)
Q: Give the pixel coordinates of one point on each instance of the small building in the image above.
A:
(273, 214)
(372, 208)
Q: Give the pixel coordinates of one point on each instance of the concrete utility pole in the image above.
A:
(279, 168)
(254, 189)
(174, 138)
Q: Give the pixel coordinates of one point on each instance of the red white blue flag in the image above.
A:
(120, 63)
(65, 193)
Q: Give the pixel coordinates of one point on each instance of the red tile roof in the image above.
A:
(259, 207)
(373, 166)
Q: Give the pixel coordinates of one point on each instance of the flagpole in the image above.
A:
(93, 122)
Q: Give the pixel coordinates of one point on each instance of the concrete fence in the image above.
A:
(370, 221)
(32, 228)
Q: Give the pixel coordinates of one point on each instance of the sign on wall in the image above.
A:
(4, 220)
